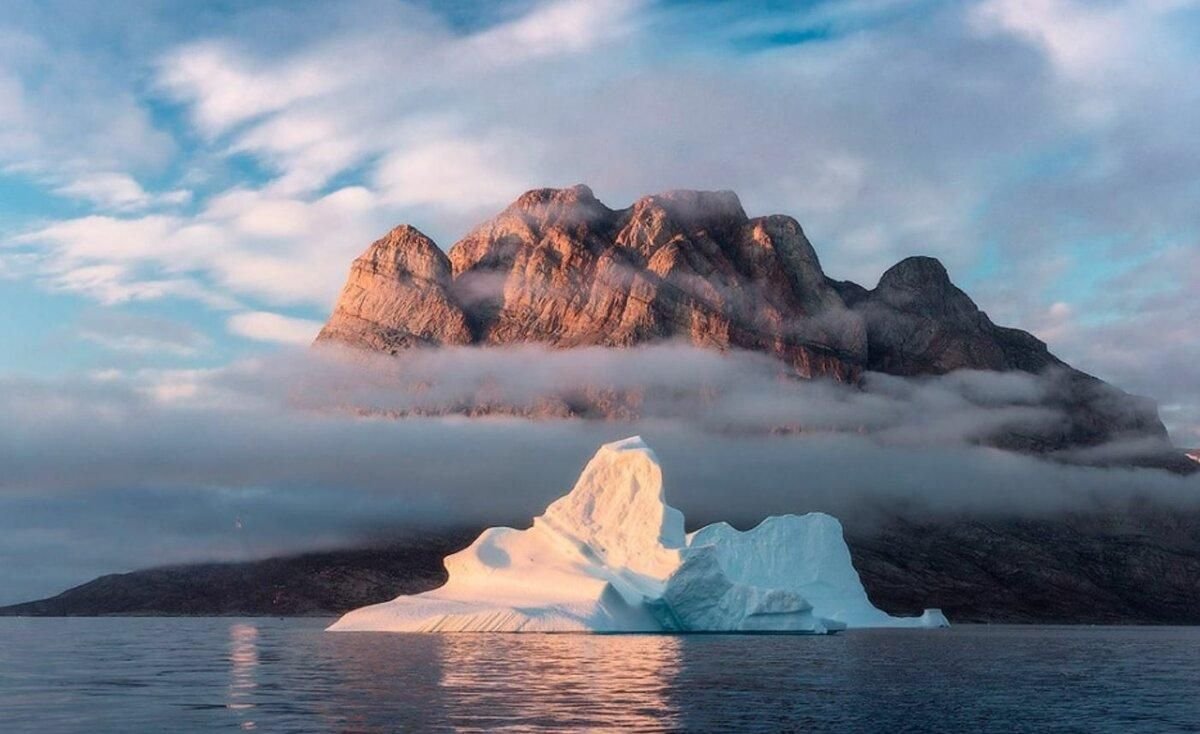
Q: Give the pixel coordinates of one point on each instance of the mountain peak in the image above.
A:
(406, 250)
(579, 194)
(561, 269)
(403, 272)
(921, 285)
(571, 207)
(689, 206)
(916, 272)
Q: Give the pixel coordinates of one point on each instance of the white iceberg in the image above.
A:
(612, 556)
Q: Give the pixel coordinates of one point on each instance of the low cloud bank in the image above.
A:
(299, 451)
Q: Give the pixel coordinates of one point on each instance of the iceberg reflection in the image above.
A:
(567, 681)
(485, 682)
(243, 667)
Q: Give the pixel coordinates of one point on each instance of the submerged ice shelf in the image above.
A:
(612, 556)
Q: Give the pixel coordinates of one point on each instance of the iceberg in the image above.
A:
(612, 556)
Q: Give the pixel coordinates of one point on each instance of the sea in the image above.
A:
(288, 675)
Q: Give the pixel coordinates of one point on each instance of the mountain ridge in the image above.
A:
(560, 268)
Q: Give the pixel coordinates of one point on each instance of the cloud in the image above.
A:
(112, 284)
(227, 89)
(1079, 39)
(357, 95)
(455, 174)
(310, 114)
(242, 243)
(553, 28)
(119, 192)
(1084, 41)
(160, 465)
(272, 327)
(119, 424)
(1032, 142)
(66, 109)
(138, 335)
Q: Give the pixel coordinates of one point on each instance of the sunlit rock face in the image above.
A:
(612, 556)
(403, 272)
(559, 268)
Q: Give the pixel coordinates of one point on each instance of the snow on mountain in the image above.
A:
(612, 556)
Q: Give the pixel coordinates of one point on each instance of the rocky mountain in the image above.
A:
(559, 268)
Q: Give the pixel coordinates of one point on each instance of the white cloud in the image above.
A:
(66, 110)
(243, 243)
(1084, 40)
(226, 88)
(358, 95)
(1080, 38)
(265, 326)
(1056, 324)
(566, 26)
(119, 192)
(454, 174)
(112, 284)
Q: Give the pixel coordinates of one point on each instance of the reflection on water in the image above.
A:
(243, 660)
(575, 682)
(481, 682)
(183, 675)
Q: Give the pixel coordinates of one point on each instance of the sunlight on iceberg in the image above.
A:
(612, 556)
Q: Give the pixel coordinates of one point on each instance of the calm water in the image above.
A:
(146, 675)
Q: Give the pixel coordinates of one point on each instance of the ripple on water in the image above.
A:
(120, 675)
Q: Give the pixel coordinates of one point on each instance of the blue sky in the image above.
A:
(206, 172)
(184, 185)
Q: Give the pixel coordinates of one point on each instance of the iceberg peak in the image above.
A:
(611, 556)
(617, 512)
(633, 443)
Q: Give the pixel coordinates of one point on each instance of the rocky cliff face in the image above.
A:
(398, 296)
(559, 268)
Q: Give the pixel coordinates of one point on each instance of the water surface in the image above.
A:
(212, 674)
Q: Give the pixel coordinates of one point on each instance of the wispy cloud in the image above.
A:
(119, 192)
(138, 335)
(272, 327)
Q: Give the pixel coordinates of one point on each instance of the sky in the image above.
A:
(184, 185)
